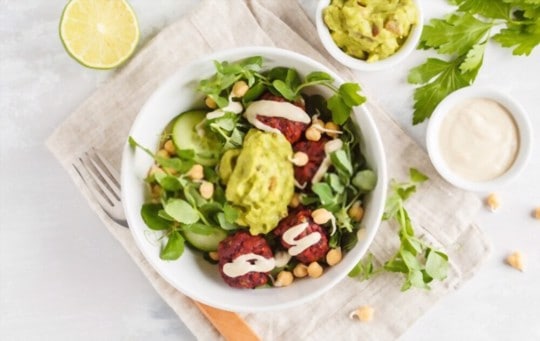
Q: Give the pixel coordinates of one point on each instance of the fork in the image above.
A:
(101, 179)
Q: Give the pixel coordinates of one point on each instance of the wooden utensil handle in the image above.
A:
(230, 325)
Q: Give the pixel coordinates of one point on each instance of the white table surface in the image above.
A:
(64, 277)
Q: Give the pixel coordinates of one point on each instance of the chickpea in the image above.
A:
(154, 170)
(196, 172)
(169, 147)
(317, 122)
(356, 212)
(163, 153)
(239, 89)
(209, 101)
(300, 270)
(314, 270)
(213, 255)
(364, 313)
(536, 213)
(284, 278)
(313, 134)
(155, 191)
(333, 256)
(206, 189)
(332, 126)
(516, 260)
(300, 159)
(321, 216)
(492, 201)
(295, 200)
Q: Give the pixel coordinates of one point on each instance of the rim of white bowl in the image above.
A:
(521, 120)
(382, 181)
(358, 64)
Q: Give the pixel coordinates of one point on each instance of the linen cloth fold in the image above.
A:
(442, 214)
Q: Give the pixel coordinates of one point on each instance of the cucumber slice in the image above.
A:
(206, 242)
(185, 136)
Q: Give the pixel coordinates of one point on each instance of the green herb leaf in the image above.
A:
(365, 180)
(341, 161)
(437, 265)
(231, 213)
(150, 216)
(181, 211)
(174, 247)
(417, 176)
(284, 89)
(324, 192)
(168, 182)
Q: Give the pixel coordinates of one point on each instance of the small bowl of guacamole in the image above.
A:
(369, 35)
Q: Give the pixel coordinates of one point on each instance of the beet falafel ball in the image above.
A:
(316, 154)
(236, 245)
(290, 129)
(316, 251)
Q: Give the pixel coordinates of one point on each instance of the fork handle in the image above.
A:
(230, 325)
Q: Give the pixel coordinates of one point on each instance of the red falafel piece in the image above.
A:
(316, 154)
(236, 245)
(316, 251)
(290, 129)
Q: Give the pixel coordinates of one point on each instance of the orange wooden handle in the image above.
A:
(230, 325)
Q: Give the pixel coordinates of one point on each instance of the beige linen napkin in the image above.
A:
(442, 214)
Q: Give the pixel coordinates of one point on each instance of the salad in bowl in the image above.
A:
(264, 177)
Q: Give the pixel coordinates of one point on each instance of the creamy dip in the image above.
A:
(479, 139)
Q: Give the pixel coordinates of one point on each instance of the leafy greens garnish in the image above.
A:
(462, 38)
(282, 81)
(417, 261)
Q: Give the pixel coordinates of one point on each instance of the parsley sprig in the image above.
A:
(419, 262)
(462, 38)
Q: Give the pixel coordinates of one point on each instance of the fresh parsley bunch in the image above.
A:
(462, 38)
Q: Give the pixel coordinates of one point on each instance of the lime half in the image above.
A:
(99, 34)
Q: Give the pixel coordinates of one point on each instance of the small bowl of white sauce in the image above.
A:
(479, 139)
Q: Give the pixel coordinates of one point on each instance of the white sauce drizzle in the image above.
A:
(250, 262)
(274, 109)
(329, 148)
(232, 106)
(282, 258)
(298, 246)
(298, 185)
(324, 130)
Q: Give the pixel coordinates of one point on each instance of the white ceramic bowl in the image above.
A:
(359, 64)
(191, 274)
(520, 118)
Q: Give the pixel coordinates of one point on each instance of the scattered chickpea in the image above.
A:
(206, 189)
(239, 89)
(213, 255)
(210, 103)
(317, 122)
(313, 134)
(332, 126)
(284, 278)
(333, 256)
(516, 260)
(321, 216)
(169, 147)
(363, 313)
(196, 172)
(300, 270)
(154, 169)
(295, 200)
(492, 201)
(163, 153)
(314, 270)
(300, 159)
(536, 213)
(356, 212)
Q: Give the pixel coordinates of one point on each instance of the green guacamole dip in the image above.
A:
(370, 30)
(261, 182)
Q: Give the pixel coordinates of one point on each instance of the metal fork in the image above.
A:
(102, 180)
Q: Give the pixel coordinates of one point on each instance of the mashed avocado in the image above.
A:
(261, 183)
(370, 29)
